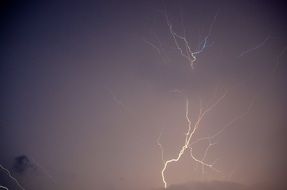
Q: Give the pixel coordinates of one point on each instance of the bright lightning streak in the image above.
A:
(189, 134)
(11, 177)
(186, 51)
(182, 45)
(188, 54)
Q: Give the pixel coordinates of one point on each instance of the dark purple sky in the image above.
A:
(88, 87)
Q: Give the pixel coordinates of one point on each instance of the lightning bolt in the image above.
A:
(11, 177)
(191, 130)
(187, 51)
(188, 136)
(182, 45)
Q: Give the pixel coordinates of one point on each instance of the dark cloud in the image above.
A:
(22, 164)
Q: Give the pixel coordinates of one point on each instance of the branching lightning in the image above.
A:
(11, 177)
(188, 136)
(183, 47)
(191, 132)
(186, 51)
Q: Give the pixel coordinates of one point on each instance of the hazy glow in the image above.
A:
(143, 95)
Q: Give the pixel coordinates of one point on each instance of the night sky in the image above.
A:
(92, 92)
